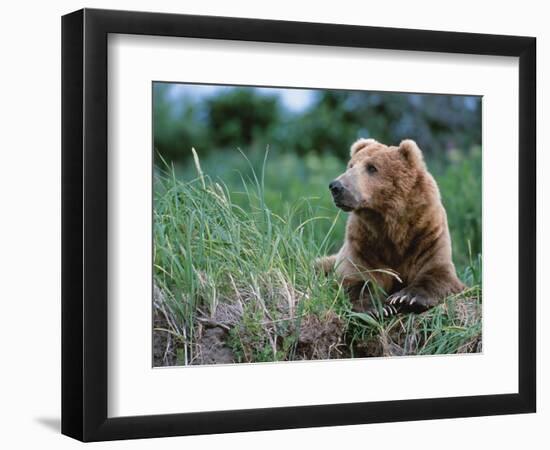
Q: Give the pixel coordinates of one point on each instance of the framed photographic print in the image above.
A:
(273, 224)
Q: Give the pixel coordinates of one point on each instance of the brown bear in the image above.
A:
(397, 234)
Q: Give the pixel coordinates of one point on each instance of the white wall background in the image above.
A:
(30, 225)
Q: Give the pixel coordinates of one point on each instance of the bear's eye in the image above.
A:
(371, 168)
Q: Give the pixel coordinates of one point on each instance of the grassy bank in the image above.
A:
(234, 276)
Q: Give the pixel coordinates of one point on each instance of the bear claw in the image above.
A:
(387, 311)
(409, 302)
(398, 299)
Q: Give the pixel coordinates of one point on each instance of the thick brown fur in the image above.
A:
(397, 233)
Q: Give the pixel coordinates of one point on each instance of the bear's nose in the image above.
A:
(336, 187)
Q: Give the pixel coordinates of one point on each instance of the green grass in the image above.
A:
(233, 268)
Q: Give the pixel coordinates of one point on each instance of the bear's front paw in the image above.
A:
(407, 301)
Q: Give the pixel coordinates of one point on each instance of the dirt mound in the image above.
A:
(321, 338)
(164, 353)
(248, 330)
(317, 338)
(404, 338)
(211, 347)
(212, 333)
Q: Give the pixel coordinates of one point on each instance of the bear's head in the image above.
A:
(378, 177)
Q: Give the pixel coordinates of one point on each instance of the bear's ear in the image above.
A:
(411, 153)
(360, 144)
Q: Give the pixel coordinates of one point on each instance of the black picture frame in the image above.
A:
(84, 224)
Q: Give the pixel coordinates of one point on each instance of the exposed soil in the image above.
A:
(164, 348)
(317, 337)
(211, 348)
(321, 339)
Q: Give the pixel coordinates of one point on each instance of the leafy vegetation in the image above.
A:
(252, 119)
(225, 260)
(235, 236)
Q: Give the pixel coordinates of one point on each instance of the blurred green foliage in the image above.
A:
(308, 148)
(249, 119)
(241, 118)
